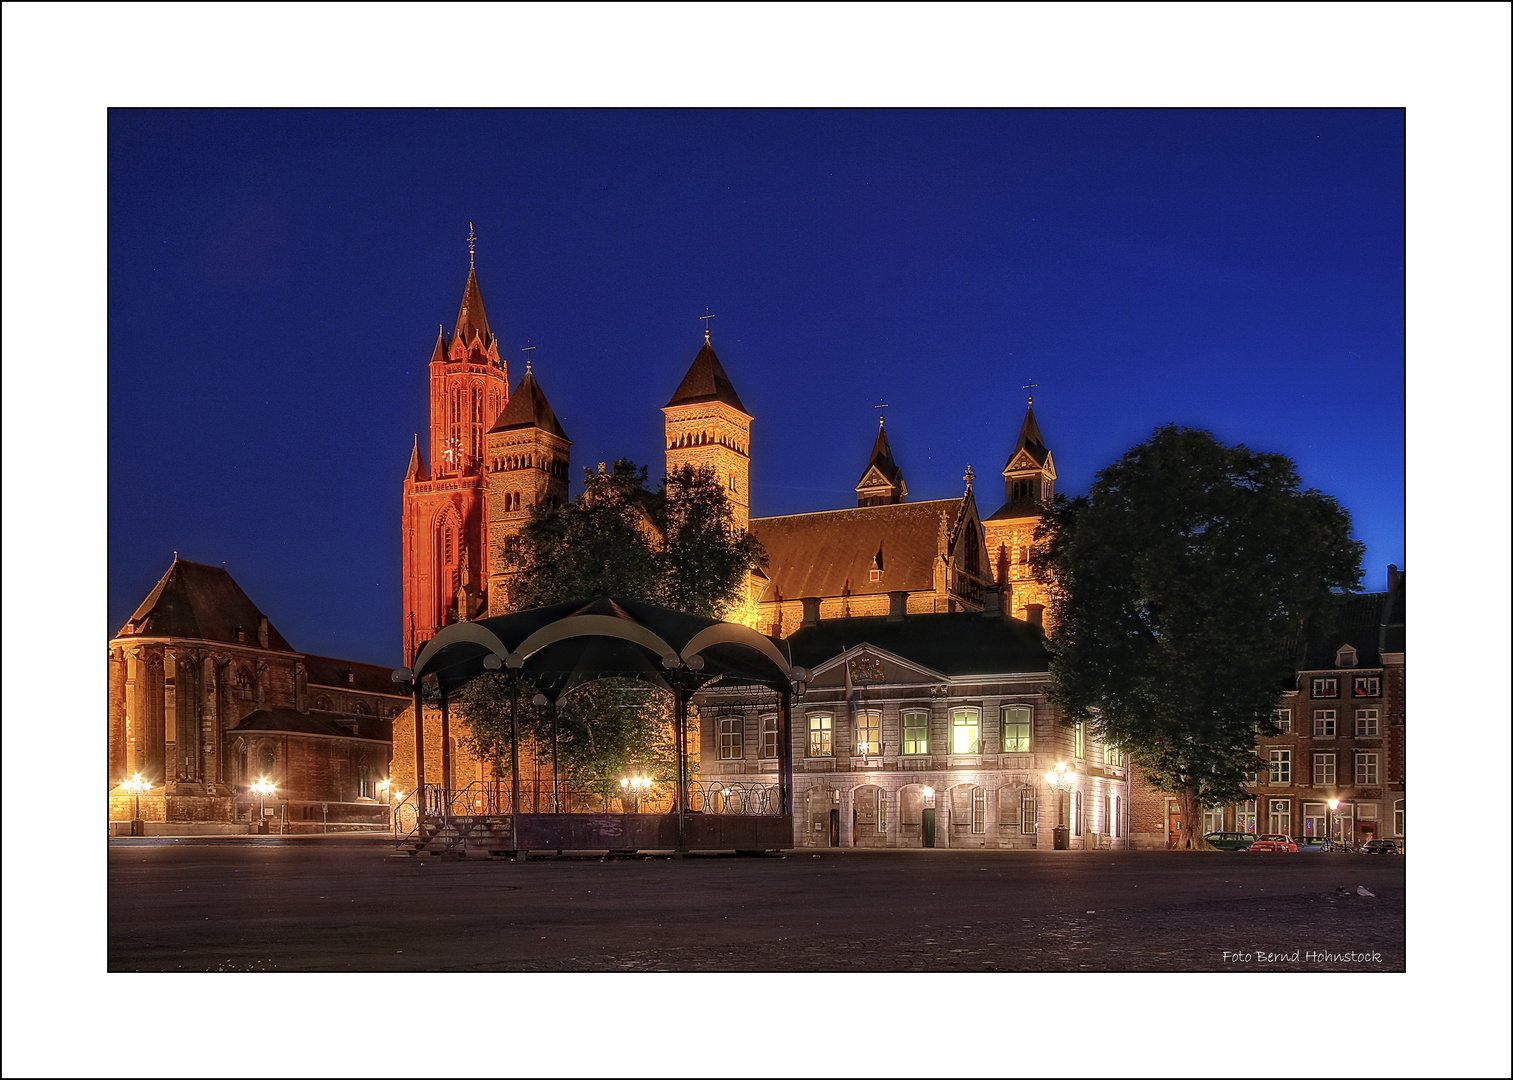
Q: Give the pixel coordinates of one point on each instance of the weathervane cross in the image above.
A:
(705, 320)
(880, 406)
(1030, 386)
(528, 348)
(472, 238)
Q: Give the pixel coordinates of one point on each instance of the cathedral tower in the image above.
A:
(706, 426)
(1029, 482)
(527, 463)
(882, 482)
(444, 522)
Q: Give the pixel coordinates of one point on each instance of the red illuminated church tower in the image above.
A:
(445, 519)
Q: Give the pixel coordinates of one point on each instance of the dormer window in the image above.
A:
(1346, 657)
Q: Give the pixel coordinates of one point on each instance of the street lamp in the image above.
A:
(136, 785)
(1061, 781)
(1334, 804)
(262, 788)
(633, 787)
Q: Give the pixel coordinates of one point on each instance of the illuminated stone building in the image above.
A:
(923, 729)
(1342, 723)
(206, 696)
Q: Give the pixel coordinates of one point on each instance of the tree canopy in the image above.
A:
(676, 546)
(1179, 586)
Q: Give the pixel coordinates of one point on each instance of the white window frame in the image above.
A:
(1372, 684)
(1368, 723)
(1326, 771)
(979, 811)
(869, 721)
(1029, 815)
(973, 716)
(1079, 740)
(1398, 816)
(921, 746)
(1213, 819)
(1368, 768)
(1284, 721)
(1022, 716)
(1326, 723)
(769, 738)
(1315, 819)
(1279, 816)
(1326, 687)
(1245, 816)
(1281, 766)
(731, 735)
(821, 734)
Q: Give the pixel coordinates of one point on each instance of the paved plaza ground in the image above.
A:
(351, 904)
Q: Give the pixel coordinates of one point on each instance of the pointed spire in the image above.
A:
(439, 352)
(882, 481)
(417, 467)
(471, 319)
(1030, 439)
(528, 408)
(706, 381)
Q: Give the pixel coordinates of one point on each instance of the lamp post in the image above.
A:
(1334, 804)
(262, 788)
(136, 785)
(632, 788)
(1061, 781)
(927, 817)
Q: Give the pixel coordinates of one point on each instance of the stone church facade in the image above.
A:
(206, 697)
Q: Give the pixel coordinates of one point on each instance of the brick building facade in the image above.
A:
(206, 696)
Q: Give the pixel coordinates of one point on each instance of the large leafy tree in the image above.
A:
(1179, 583)
(675, 546)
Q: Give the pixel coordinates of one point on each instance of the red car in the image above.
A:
(1274, 842)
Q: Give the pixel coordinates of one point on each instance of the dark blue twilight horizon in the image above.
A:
(277, 276)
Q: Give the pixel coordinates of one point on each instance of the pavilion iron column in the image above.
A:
(680, 733)
(785, 751)
(420, 752)
(446, 758)
(515, 763)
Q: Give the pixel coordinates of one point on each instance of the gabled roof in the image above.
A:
(193, 600)
(824, 553)
(882, 461)
(471, 318)
(528, 408)
(366, 678)
(706, 381)
(952, 643)
(1353, 619)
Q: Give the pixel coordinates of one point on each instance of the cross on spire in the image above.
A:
(472, 238)
(528, 348)
(1030, 386)
(880, 406)
(705, 320)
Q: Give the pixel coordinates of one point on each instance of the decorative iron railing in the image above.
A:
(493, 797)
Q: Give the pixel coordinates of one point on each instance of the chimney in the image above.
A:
(898, 605)
(811, 611)
(992, 604)
(262, 631)
(1034, 614)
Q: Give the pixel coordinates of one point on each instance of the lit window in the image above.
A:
(1281, 766)
(869, 726)
(1076, 813)
(1079, 740)
(1113, 756)
(730, 739)
(1114, 816)
(1279, 818)
(1315, 821)
(1368, 686)
(1366, 772)
(1213, 819)
(364, 782)
(1245, 816)
(1016, 729)
(1367, 722)
(916, 732)
(1323, 770)
(966, 732)
(1323, 723)
(820, 731)
(769, 737)
(1027, 818)
(1326, 688)
(1284, 721)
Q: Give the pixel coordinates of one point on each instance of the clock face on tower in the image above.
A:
(452, 451)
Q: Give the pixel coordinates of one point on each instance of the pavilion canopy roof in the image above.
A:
(559, 647)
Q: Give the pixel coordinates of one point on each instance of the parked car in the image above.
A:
(1231, 841)
(1380, 847)
(1313, 843)
(1274, 842)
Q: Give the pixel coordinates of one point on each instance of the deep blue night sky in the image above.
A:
(276, 279)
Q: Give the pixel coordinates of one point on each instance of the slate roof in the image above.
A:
(193, 600)
(471, 318)
(298, 723)
(882, 460)
(823, 553)
(1353, 619)
(953, 643)
(706, 381)
(528, 408)
(366, 678)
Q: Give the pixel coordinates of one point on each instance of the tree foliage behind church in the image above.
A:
(1179, 583)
